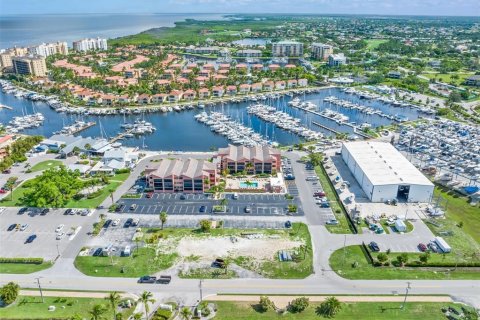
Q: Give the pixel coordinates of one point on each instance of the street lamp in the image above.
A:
(40, 288)
(200, 287)
(406, 295)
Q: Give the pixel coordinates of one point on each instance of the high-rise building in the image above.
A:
(287, 49)
(30, 65)
(335, 60)
(321, 51)
(6, 56)
(90, 44)
(48, 49)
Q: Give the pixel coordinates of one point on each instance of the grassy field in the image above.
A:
(442, 77)
(27, 307)
(343, 226)
(285, 270)
(358, 311)
(364, 270)
(208, 273)
(140, 263)
(374, 43)
(23, 268)
(45, 165)
(113, 184)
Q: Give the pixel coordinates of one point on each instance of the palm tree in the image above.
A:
(330, 307)
(97, 312)
(185, 313)
(163, 218)
(146, 298)
(114, 299)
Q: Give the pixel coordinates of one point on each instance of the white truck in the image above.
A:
(442, 245)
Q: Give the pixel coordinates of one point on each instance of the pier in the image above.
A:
(83, 127)
(2, 106)
(325, 127)
(120, 136)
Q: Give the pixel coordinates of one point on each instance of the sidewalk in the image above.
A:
(73, 294)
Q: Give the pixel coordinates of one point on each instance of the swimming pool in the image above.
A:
(251, 185)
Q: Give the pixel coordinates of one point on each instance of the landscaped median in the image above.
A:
(210, 251)
(23, 265)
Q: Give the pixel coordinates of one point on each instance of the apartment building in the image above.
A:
(287, 49)
(6, 56)
(48, 49)
(321, 51)
(88, 44)
(178, 175)
(253, 160)
(30, 65)
(335, 60)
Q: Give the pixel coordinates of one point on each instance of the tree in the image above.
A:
(9, 292)
(330, 307)
(265, 304)
(402, 259)
(114, 299)
(205, 225)
(298, 305)
(97, 312)
(185, 313)
(382, 257)
(163, 218)
(137, 316)
(146, 298)
(226, 263)
(424, 257)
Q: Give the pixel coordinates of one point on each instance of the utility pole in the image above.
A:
(40, 288)
(344, 246)
(406, 295)
(200, 287)
(58, 251)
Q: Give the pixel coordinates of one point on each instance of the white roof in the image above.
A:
(384, 165)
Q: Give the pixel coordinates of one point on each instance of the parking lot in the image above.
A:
(45, 245)
(188, 204)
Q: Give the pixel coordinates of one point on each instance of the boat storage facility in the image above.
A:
(384, 173)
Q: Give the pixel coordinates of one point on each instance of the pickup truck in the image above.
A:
(164, 279)
(147, 279)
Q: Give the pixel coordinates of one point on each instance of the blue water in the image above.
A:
(180, 131)
(23, 30)
(253, 185)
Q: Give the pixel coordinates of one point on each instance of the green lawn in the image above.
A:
(275, 269)
(140, 263)
(358, 311)
(448, 77)
(45, 165)
(208, 273)
(374, 43)
(343, 264)
(343, 226)
(23, 268)
(114, 183)
(27, 307)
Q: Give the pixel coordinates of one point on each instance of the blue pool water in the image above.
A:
(252, 184)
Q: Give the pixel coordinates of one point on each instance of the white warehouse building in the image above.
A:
(384, 173)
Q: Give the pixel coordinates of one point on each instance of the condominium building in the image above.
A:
(287, 49)
(253, 160)
(249, 53)
(30, 65)
(335, 60)
(90, 44)
(6, 56)
(321, 51)
(178, 175)
(48, 49)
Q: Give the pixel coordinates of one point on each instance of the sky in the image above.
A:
(381, 7)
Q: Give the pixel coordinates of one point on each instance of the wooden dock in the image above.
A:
(325, 127)
(120, 136)
(86, 126)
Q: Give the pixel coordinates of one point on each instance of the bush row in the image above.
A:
(22, 260)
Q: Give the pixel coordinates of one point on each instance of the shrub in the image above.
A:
(382, 257)
(9, 292)
(298, 305)
(205, 225)
(22, 260)
(265, 304)
(330, 307)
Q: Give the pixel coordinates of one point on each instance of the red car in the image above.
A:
(3, 190)
(422, 247)
(319, 194)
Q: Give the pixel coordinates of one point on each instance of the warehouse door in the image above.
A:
(402, 194)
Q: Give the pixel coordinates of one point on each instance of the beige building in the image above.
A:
(6, 56)
(287, 49)
(321, 51)
(48, 49)
(30, 65)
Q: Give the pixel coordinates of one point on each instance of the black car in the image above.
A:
(22, 210)
(203, 209)
(288, 224)
(11, 227)
(374, 246)
(119, 208)
(97, 252)
(44, 212)
(107, 223)
(67, 212)
(128, 223)
(31, 238)
(182, 197)
(147, 279)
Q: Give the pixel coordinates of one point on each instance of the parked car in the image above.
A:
(60, 235)
(149, 195)
(24, 227)
(126, 251)
(115, 222)
(133, 206)
(31, 238)
(218, 263)
(422, 247)
(135, 222)
(235, 196)
(128, 223)
(288, 224)
(319, 194)
(332, 222)
(163, 279)
(203, 209)
(44, 211)
(248, 209)
(325, 205)
(97, 252)
(7, 171)
(120, 208)
(147, 279)
(374, 246)
(59, 228)
(107, 223)
(2, 190)
(11, 227)
(432, 246)
(183, 197)
(22, 210)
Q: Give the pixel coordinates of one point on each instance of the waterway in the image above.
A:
(180, 130)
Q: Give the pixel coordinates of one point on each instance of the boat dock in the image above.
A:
(2, 106)
(120, 136)
(325, 127)
(87, 125)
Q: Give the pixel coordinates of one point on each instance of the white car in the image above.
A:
(60, 235)
(59, 228)
(23, 227)
(115, 222)
(2, 209)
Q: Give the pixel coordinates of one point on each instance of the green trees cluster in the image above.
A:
(9, 292)
(329, 308)
(16, 151)
(54, 188)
